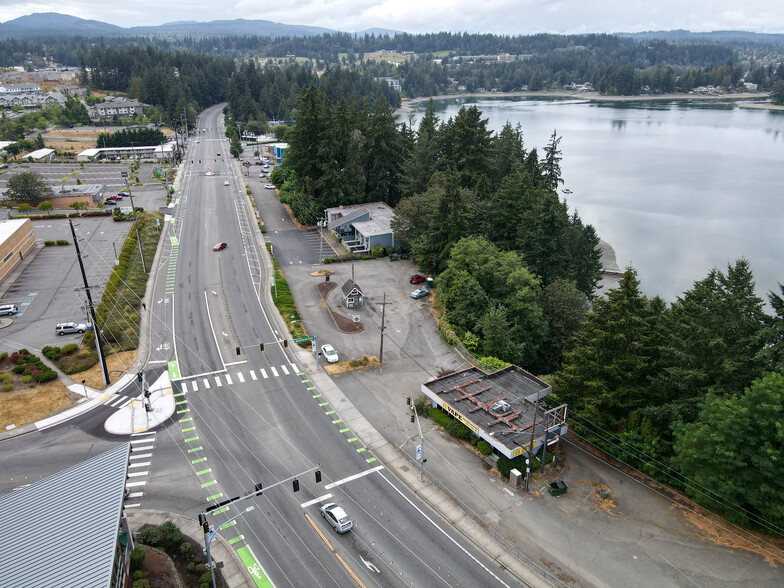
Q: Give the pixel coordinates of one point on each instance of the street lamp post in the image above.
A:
(315, 338)
(209, 535)
(135, 224)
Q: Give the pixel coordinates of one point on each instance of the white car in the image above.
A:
(6, 309)
(329, 353)
(269, 186)
(68, 328)
(336, 517)
(226, 183)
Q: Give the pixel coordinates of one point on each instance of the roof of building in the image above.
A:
(349, 286)
(380, 222)
(4, 144)
(10, 226)
(77, 189)
(39, 154)
(66, 525)
(501, 404)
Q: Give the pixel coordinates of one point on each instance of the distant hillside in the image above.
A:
(54, 23)
(712, 37)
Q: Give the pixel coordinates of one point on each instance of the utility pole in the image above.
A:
(420, 450)
(135, 224)
(383, 311)
(96, 331)
(531, 444)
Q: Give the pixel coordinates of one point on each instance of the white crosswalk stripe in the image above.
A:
(206, 383)
(264, 373)
(228, 379)
(253, 375)
(218, 382)
(294, 367)
(240, 377)
(195, 386)
(285, 371)
(274, 371)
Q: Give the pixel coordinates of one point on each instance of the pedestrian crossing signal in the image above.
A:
(237, 350)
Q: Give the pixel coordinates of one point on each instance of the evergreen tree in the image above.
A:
(551, 165)
(382, 155)
(422, 162)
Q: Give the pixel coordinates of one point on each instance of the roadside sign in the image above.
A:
(301, 339)
(419, 452)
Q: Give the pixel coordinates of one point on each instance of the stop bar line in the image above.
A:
(338, 483)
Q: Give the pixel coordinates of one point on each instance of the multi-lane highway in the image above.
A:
(255, 418)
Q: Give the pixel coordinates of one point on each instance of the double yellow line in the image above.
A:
(332, 549)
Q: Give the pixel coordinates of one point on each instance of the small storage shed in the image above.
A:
(352, 294)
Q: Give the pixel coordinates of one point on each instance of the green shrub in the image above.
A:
(52, 353)
(5, 377)
(205, 578)
(138, 575)
(186, 552)
(200, 568)
(359, 361)
(143, 583)
(18, 369)
(45, 376)
(62, 242)
(26, 379)
(484, 447)
(48, 243)
(137, 557)
(440, 416)
(68, 349)
(7, 387)
(420, 404)
(377, 251)
(458, 430)
(171, 536)
(191, 567)
(150, 536)
(3, 356)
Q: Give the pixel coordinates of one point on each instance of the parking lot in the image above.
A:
(57, 174)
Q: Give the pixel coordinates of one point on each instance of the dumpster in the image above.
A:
(557, 488)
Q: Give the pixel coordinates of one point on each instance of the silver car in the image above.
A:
(7, 309)
(336, 517)
(68, 328)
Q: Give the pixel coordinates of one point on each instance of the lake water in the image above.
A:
(675, 188)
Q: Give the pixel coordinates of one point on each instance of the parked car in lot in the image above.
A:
(416, 279)
(336, 517)
(113, 198)
(69, 328)
(220, 246)
(269, 186)
(7, 309)
(420, 293)
(329, 353)
(123, 194)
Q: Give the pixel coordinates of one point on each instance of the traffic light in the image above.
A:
(412, 417)
(408, 401)
(285, 342)
(296, 485)
(205, 524)
(318, 476)
(237, 350)
(261, 346)
(258, 488)
(139, 376)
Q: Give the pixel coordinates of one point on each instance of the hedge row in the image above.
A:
(284, 302)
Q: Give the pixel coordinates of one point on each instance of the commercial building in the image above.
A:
(16, 240)
(65, 195)
(69, 529)
(115, 106)
(39, 155)
(360, 227)
(165, 151)
(504, 408)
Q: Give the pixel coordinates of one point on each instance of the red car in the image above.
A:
(220, 247)
(416, 279)
(113, 198)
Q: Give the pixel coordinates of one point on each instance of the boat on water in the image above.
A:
(566, 191)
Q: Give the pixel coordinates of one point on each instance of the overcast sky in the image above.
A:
(420, 16)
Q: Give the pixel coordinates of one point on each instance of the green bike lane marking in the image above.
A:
(256, 571)
(174, 371)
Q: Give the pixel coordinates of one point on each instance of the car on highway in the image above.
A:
(6, 309)
(329, 353)
(269, 186)
(220, 246)
(336, 517)
(226, 183)
(420, 293)
(416, 279)
(69, 328)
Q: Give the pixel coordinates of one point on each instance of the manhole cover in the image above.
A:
(356, 318)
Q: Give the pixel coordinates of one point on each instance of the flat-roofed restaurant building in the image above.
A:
(16, 239)
(501, 408)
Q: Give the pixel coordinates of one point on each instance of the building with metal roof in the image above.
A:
(39, 155)
(69, 529)
(504, 408)
(360, 227)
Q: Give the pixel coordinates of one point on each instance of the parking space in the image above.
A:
(50, 290)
